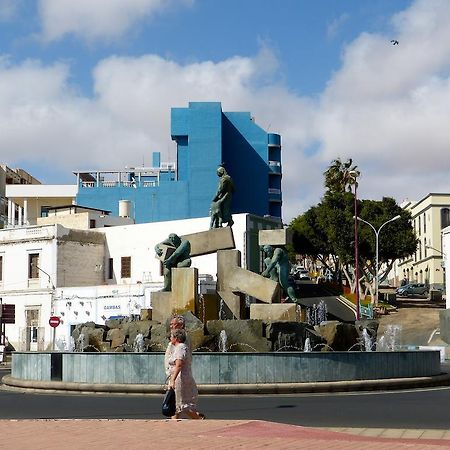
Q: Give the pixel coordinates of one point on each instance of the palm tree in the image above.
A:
(341, 176)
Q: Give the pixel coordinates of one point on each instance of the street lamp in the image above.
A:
(354, 174)
(377, 235)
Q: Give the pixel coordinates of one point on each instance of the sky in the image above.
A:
(89, 85)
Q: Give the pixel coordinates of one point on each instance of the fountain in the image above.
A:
(307, 347)
(367, 340)
(264, 347)
(138, 344)
(223, 341)
(390, 340)
(80, 343)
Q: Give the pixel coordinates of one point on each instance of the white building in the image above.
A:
(430, 216)
(90, 275)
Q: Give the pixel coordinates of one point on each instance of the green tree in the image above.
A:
(326, 231)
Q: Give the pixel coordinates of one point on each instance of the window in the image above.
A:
(418, 226)
(424, 223)
(1, 268)
(44, 211)
(445, 217)
(125, 269)
(425, 246)
(91, 223)
(33, 263)
(110, 269)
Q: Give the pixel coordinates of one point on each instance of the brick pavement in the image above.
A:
(200, 435)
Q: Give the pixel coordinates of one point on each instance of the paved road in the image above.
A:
(399, 409)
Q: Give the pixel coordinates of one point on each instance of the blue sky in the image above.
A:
(84, 84)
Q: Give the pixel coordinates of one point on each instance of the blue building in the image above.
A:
(206, 137)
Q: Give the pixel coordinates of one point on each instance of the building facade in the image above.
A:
(12, 214)
(430, 216)
(206, 137)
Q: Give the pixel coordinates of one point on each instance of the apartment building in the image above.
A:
(430, 216)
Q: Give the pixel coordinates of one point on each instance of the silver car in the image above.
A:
(413, 289)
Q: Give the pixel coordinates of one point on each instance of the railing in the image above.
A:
(19, 234)
(274, 191)
(113, 184)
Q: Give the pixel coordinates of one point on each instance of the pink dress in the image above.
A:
(185, 388)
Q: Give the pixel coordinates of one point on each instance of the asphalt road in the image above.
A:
(399, 409)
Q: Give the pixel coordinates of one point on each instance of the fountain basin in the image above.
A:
(231, 372)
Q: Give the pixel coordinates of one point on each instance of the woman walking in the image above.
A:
(181, 378)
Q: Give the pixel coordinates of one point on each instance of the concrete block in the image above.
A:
(184, 289)
(233, 307)
(275, 312)
(161, 306)
(282, 236)
(210, 241)
(250, 283)
(227, 261)
(208, 307)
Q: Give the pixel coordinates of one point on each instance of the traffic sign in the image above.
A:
(8, 313)
(54, 321)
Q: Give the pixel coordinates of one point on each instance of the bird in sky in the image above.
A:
(394, 42)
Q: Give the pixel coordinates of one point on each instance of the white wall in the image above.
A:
(138, 241)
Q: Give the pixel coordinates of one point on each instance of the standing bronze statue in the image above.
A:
(179, 256)
(221, 204)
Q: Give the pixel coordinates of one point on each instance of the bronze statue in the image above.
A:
(277, 268)
(178, 255)
(221, 204)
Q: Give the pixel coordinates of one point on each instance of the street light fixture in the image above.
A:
(377, 235)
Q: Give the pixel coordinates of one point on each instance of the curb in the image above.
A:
(227, 389)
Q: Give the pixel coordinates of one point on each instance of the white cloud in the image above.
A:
(388, 108)
(98, 19)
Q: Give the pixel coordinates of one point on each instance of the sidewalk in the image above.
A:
(207, 434)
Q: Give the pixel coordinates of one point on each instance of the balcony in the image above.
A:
(275, 167)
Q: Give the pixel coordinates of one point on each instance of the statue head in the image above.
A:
(175, 239)
(221, 171)
(268, 250)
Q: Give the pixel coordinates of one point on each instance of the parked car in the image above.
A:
(412, 289)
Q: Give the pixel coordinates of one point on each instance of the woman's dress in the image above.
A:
(185, 388)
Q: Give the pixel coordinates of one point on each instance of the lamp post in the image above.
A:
(377, 235)
(354, 175)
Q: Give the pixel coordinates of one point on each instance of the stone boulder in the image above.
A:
(139, 327)
(159, 338)
(116, 336)
(291, 336)
(93, 336)
(339, 336)
(241, 335)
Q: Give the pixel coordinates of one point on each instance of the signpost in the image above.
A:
(54, 321)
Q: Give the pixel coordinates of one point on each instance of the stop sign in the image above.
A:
(54, 321)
